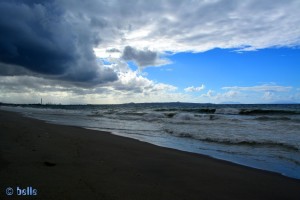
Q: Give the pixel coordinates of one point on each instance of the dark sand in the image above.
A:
(64, 162)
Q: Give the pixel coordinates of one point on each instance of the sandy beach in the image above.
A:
(64, 162)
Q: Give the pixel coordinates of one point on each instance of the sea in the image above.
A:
(262, 136)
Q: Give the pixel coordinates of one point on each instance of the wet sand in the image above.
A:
(64, 162)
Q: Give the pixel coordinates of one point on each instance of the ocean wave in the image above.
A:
(231, 111)
(95, 115)
(266, 143)
(267, 118)
(170, 115)
(153, 116)
(184, 116)
(228, 111)
(208, 116)
(237, 111)
(194, 110)
(290, 160)
(253, 143)
(203, 113)
(269, 112)
(131, 113)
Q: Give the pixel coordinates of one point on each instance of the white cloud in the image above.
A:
(194, 89)
(268, 96)
(199, 26)
(231, 94)
(131, 81)
(208, 94)
(219, 97)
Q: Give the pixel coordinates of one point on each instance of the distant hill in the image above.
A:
(230, 102)
(284, 102)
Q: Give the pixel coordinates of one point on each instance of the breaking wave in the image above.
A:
(267, 118)
(230, 111)
(252, 143)
(269, 112)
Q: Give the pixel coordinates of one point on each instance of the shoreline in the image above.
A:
(72, 162)
(200, 154)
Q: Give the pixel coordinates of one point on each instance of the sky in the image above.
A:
(114, 51)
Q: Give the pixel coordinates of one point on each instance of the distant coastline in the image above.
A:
(147, 103)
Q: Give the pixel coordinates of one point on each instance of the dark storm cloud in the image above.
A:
(13, 70)
(113, 50)
(38, 36)
(142, 58)
(23, 84)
